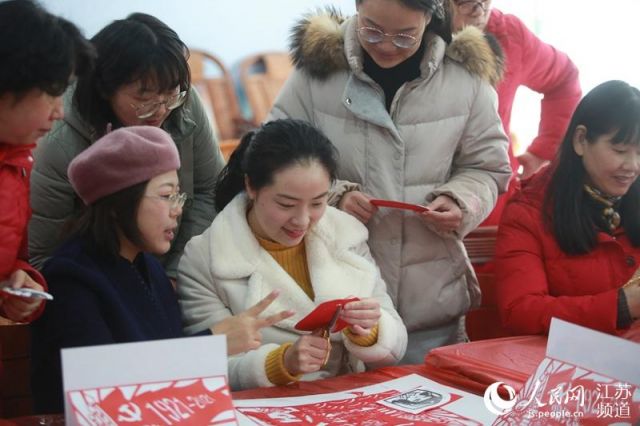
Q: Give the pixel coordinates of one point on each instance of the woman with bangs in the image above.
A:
(141, 78)
(569, 242)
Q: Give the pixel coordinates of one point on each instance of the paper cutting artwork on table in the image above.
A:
(586, 378)
(362, 407)
(205, 401)
(563, 394)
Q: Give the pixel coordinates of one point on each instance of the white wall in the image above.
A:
(598, 35)
(230, 29)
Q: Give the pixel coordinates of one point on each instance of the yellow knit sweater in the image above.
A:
(294, 261)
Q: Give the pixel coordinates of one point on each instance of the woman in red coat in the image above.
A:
(532, 63)
(40, 53)
(569, 243)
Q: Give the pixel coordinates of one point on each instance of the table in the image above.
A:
(332, 384)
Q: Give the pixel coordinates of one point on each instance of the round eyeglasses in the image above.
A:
(374, 36)
(467, 7)
(172, 102)
(175, 200)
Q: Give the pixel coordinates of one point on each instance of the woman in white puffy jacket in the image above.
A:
(275, 232)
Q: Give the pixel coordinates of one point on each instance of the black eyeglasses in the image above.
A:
(374, 35)
(467, 7)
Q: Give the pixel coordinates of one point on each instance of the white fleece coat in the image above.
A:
(225, 271)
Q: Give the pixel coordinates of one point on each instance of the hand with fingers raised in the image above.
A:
(243, 330)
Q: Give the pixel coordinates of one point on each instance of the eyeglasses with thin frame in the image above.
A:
(172, 102)
(467, 7)
(374, 36)
(175, 200)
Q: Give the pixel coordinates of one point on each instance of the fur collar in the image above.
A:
(318, 47)
(236, 254)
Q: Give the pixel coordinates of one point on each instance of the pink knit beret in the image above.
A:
(121, 159)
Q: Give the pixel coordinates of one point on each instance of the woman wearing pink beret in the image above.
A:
(107, 284)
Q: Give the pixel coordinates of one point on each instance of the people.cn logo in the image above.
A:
(494, 402)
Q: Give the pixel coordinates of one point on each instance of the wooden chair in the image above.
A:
(262, 77)
(15, 388)
(214, 84)
(484, 321)
(481, 244)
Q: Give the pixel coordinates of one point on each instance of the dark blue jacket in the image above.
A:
(97, 300)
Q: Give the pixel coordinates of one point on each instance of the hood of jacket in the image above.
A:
(318, 47)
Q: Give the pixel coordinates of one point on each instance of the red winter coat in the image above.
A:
(15, 168)
(536, 280)
(539, 66)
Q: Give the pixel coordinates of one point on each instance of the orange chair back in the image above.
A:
(262, 77)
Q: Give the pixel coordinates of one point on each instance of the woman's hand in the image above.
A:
(632, 293)
(444, 214)
(357, 204)
(530, 164)
(362, 315)
(307, 354)
(243, 330)
(19, 308)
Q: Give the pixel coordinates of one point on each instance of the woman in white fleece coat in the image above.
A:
(275, 232)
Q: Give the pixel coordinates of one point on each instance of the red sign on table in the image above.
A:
(203, 401)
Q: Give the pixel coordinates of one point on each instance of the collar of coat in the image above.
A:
(16, 155)
(179, 124)
(325, 42)
(336, 271)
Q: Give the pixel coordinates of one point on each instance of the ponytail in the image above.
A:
(274, 146)
(230, 182)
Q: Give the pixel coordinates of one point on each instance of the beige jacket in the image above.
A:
(442, 136)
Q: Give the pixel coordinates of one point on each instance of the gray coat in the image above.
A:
(54, 201)
(442, 136)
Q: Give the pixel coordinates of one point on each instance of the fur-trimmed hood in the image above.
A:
(317, 45)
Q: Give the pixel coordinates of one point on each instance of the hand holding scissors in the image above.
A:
(311, 351)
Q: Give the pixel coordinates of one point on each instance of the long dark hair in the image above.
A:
(273, 147)
(440, 15)
(613, 106)
(138, 48)
(99, 222)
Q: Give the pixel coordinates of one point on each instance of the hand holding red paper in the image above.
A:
(443, 213)
(362, 315)
(321, 316)
(357, 204)
(311, 352)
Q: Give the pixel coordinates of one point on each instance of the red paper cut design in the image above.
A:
(360, 410)
(205, 401)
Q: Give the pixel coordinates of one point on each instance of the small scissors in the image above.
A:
(326, 332)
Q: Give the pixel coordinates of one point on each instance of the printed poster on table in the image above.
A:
(161, 382)
(587, 377)
(409, 400)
